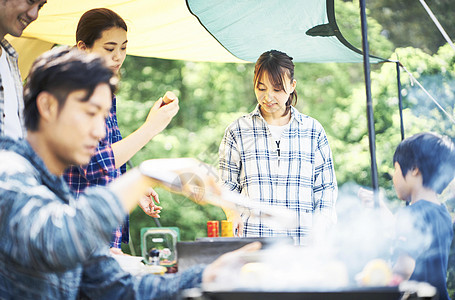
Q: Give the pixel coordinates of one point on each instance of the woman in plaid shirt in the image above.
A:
(104, 32)
(279, 156)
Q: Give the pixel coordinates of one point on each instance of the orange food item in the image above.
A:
(168, 97)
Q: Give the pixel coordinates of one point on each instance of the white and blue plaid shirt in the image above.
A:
(300, 176)
(12, 58)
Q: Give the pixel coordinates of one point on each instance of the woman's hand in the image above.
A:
(161, 115)
(147, 203)
(237, 224)
(157, 120)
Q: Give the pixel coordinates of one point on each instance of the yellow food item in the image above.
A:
(376, 273)
(254, 267)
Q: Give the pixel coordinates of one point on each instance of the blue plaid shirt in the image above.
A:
(55, 247)
(101, 170)
(301, 177)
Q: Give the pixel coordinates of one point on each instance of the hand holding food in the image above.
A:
(161, 114)
(168, 98)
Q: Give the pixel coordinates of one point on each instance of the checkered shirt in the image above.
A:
(11, 57)
(301, 178)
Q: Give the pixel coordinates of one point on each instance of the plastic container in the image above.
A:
(162, 239)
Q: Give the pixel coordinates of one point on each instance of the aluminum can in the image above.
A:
(212, 229)
(226, 228)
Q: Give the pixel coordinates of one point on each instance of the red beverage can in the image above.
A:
(212, 229)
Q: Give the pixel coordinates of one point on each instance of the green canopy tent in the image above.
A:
(306, 30)
(215, 30)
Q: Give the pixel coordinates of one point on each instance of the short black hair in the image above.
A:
(61, 71)
(432, 154)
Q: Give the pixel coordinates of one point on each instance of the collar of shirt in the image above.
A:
(294, 115)
(9, 48)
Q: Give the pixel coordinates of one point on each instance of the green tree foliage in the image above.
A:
(407, 24)
(211, 96)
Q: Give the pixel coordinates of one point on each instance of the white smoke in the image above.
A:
(361, 235)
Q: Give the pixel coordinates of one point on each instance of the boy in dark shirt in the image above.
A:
(424, 166)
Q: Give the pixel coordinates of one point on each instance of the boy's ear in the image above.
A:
(47, 106)
(415, 171)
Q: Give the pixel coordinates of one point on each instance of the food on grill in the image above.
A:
(375, 273)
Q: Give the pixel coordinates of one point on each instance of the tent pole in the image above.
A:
(400, 101)
(370, 116)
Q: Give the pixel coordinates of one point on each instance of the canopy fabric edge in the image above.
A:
(327, 32)
(214, 37)
(340, 37)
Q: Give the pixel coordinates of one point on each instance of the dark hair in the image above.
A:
(94, 22)
(60, 72)
(276, 64)
(432, 154)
